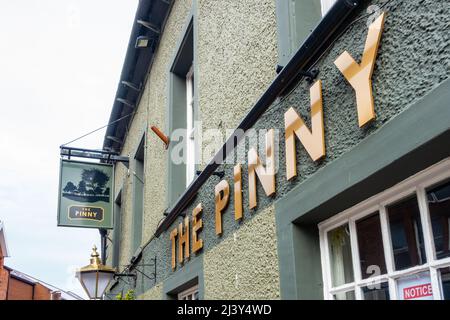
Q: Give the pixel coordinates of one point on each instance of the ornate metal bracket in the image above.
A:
(69, 152)
(117, 276)
(151, 276)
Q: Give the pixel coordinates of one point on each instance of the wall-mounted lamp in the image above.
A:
(95, 277)
(161, 135)
(142, 42)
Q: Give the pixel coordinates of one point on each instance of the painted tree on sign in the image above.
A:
(94, 178)
(82, 187)
(91, 187)
(70, 187)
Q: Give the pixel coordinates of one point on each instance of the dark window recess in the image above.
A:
(445, 278)
(138, 195)
(177, 115)
(370, 243)
(117, 230)
(406, 234)
(439, 206)
(376, 292)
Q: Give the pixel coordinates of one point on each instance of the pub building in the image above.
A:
(283, 150)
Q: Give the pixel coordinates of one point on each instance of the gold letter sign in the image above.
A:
(221, 202)
(197, 225)
(255, 168)
(173, 238)
(183, 240)
(360, 75)
(314, 140)
(237, 192)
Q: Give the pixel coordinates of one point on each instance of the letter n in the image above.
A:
(314, 140)
(266, 174)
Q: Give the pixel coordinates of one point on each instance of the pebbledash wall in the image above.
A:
(274, 251)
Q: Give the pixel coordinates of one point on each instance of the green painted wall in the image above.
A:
(245, 264)
(237, 57)
(154, 293)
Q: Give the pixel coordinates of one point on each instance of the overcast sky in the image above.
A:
(59, 69)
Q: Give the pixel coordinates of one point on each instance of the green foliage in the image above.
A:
(128, 296)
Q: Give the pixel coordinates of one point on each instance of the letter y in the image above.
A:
(360, 75)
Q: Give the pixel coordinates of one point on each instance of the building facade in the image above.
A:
(283, 150)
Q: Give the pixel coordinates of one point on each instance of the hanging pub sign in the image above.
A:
(85, 195)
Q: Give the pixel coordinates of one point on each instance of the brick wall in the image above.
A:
(41, 292)
(19, 290)
(4, 275)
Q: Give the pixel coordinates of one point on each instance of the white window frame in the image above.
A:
(188, 293)
(190, 127)
(325, 5)
(417, 185)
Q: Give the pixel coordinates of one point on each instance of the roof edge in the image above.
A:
(3, 243)
(145, 10)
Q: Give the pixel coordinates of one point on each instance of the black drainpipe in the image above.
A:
(103, 238)
(329, 28)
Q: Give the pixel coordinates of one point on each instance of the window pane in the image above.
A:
(415, 287)
(439, 206)
(406, 234)
(376, 292)
(340, 256)
(349, 295)
(445, 278)
(370, 243)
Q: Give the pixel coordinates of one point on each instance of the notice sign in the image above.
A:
(85, 192)
(415, 287)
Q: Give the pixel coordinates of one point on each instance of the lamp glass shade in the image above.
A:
(95, 277)
(103, 281)
(142, 43)
(95, 282)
